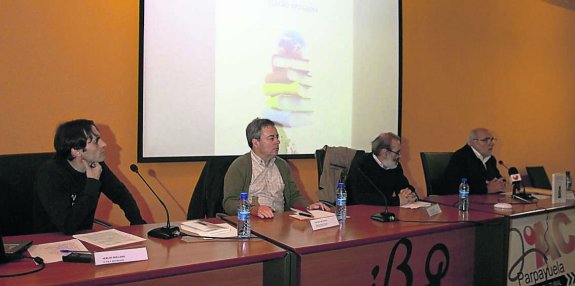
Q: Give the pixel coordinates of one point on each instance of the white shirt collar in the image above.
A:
(379, 162)
(256, 158)
(480, 157)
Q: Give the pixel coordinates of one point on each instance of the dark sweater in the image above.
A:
(390, 182)
(464, 164)
(66, 200)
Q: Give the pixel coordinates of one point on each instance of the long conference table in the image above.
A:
(541, 237)
(450, 248)
(170, 262)
(417, 250)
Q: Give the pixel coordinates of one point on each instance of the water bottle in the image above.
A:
(463, 195)
(244, 229)
(569, 183)
(340, 202)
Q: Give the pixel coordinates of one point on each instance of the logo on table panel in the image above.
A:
(434, 275)
(544, 247)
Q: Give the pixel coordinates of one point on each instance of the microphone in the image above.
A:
(385, 216)
(503, 164)
(166, 232)
(515, 179)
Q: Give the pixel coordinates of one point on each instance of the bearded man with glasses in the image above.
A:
(383, 169)
(474, 161)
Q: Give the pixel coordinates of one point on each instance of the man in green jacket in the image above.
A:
(264, 176)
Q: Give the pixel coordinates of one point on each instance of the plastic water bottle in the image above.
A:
(569, 183)
(244, 228)
(463, 195)
(340, 202)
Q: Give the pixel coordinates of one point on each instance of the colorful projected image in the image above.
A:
(325, 71)
(289, 102)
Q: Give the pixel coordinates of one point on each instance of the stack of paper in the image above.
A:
(416, 205)
(108, 238)
(204, 228)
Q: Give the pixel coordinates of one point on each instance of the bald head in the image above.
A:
(481, 140)
(476, 134)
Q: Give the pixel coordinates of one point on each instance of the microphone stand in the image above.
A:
(516, 192)
(384, 216)
(522, 196)
(165, 232)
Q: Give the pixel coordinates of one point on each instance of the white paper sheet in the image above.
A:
(416, 205)
(108, 238)
(52, 252)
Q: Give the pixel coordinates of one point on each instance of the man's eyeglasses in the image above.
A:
(398, 153)
(270, 138)
(487, 139)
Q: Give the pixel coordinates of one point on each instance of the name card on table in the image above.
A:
(433, 210)
(324, 222)
(120, 256)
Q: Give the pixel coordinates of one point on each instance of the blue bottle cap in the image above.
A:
(243, 195)
(464, 180)
(340, 185)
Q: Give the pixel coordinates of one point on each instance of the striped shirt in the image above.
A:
(267, 184)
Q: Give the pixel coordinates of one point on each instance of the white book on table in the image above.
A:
(559, 188)
(204, 228)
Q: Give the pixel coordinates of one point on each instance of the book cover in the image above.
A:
(293, 63)
(559, 188)
(204, 228)
(295, 88)
(290, 102)
(289, 118)
(286, 75)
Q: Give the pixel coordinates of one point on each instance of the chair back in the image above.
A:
(434, 165)
(319, 158)
(333, 164)
(208, 195)
(538, 177)
(17, 178)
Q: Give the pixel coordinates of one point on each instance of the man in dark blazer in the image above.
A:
(475, 162)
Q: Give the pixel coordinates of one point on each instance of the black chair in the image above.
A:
(17, 177)
(17, 201)
(208, 194)
(434, 164)
(538, 177)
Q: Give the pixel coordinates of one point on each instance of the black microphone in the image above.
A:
(515, 179)
(167, 231)
(503, 164)
(385, 216)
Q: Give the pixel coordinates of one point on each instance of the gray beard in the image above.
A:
(388, 166)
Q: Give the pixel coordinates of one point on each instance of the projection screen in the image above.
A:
(326, 72)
